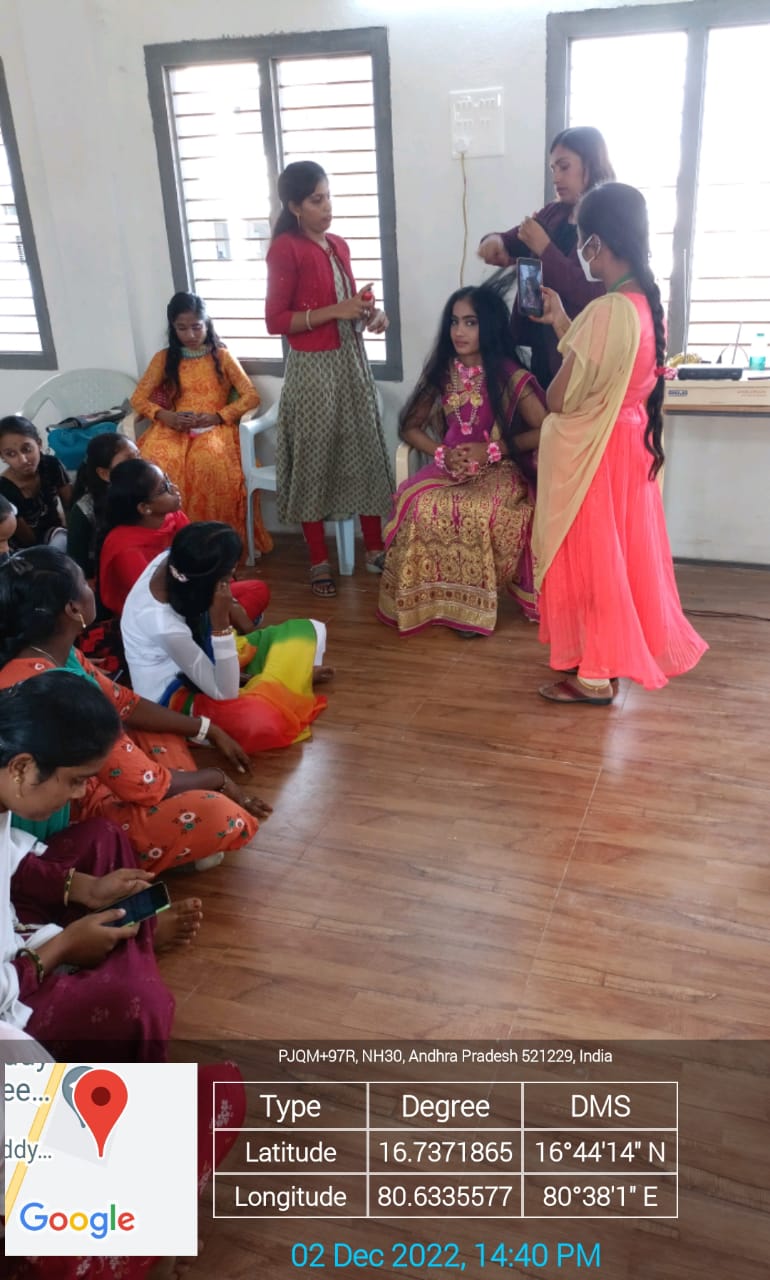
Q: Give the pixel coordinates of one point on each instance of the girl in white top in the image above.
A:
(183, 652)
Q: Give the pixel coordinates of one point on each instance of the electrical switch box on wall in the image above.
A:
(476, 122)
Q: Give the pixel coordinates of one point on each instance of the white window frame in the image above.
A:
(696, 20)
(161, 59)
(45, 358)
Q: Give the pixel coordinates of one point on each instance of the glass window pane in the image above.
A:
(19, 331)
(610, 80)
(730, 287)
(224, 185)
(327, 115)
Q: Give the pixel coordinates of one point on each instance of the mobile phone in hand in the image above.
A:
(529, 274)
(142, 905)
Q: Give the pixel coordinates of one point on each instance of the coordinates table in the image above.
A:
(511, 1149)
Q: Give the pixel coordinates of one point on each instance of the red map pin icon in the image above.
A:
(100, 1097)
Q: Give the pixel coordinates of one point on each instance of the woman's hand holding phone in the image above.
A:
(553, 312)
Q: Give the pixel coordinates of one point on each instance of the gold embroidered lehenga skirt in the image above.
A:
(452, 547)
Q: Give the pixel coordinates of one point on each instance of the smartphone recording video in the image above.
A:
(529, 272)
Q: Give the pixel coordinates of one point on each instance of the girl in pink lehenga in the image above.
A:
(460, 528)
(609, 603)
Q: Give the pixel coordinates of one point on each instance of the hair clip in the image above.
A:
(180, 577)
(665, 371)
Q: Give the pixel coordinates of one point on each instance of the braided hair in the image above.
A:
(180, 303)
(36, 585)
(617, 214)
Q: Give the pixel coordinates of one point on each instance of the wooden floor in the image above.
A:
(450, 856)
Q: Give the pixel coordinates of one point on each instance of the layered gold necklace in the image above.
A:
(465, 382)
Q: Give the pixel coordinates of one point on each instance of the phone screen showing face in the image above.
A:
(530, 278)
(142, 905)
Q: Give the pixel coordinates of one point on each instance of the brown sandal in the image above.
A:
(321, 580)
(566, 691)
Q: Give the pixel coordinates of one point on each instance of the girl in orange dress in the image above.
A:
(149, 786)
(195, 394)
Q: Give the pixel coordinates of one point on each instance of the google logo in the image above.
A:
(33, 1217)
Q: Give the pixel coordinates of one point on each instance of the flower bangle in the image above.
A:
(439, 457)
(493, 452)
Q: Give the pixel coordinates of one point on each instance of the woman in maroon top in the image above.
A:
(331, 458)
(579, 160)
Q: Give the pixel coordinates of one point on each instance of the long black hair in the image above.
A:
(57, 718)
(15, 424)
(617, 214)
(588, 143)
(131, 483)
(298, 181)
(99, 454)
(180, 303)
(497, 350)
(200, 556)
(36, 585)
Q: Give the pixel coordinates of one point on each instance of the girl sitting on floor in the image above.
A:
(35, 483)
(182, 649)
(89, 498)
(149, 786)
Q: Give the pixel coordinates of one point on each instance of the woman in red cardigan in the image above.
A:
(331, 457)
(579, 160)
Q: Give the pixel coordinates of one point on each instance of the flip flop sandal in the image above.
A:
(563, 691)
(321, 581)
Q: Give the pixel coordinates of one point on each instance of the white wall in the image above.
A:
(76, 79)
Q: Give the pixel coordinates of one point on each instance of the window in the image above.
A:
(678, 92)
(25, 332)
(229, 115)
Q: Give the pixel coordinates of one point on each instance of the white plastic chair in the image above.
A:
(405, 455)
(263, 478)
(79, 391)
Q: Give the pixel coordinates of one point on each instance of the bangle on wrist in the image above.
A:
(493, 452)
(37, 962)
(202, 734)
(308, 325)
(439, 457)
(70, 876)
(223, 784)
(226, 631)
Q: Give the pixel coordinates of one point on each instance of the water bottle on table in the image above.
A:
(758, 352)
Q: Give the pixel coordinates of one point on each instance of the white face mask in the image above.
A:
(587, 265)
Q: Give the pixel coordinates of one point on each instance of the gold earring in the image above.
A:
(19, 780)
(81, 620)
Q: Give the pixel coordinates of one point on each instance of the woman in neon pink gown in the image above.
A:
(609, 604)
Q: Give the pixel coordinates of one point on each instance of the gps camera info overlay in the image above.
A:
(623, 1160)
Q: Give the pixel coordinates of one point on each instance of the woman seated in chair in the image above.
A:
(182, 649)
(195, 394)
(142, 517)
(460, 529)
(149, 786)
